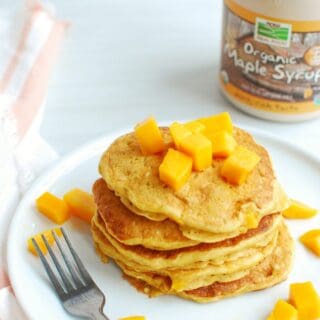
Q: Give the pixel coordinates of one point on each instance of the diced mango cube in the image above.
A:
(38, 238)
(223, 144)
(251, 220)
(199, 148)
(179, 132)
(306, 300)
(175, 169)
(53, 207)
(149, 137)
(178, 284)
(283, 311)
(311, 240)
(218, 122)
(239, 165)
(133, 318)
(195, 126)
(81, 204)
(298, 210)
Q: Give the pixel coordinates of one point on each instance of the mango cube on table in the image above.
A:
(179, 132)
(299, 210)
(239, 165)
(81, 204)
(38, 238)
(223, 144)
(53, 207)
(175, 169)
(283, 311)
(311, 240)
(195, 126)
(305, 298)
(199, 148)
(149, 137)
(218, 122)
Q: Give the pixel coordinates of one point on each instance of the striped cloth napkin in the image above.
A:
(30, 39)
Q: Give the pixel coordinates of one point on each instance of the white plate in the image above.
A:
(297, 170)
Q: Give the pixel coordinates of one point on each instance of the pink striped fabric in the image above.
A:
(25, 66)
(30, 99)
(4, 280)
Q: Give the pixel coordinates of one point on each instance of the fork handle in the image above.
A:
(98, 315)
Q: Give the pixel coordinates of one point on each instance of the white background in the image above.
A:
(123, 60)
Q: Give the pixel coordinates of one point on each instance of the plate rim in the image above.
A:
(76, 153)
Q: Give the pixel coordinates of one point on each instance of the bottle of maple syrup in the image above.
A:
(270, 61)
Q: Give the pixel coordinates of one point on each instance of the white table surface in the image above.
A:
(123, 60)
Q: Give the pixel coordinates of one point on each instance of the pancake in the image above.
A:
(269, 272)
(206, 202)
(177, 258)
(132, 229)
(230, 263)
(149, 215)
(195, 275)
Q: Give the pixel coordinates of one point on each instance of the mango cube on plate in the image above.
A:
(239, 165)
(311, 240)
(218, 122)
(175, 169)
(133, 318)
(195, 126)
(53, 208)
(283, 311)
(299, 210)
(199, 148)
(305, 298)
(179, 132)
(38, 238)
(223, 144)
(81, 204)
(149, 137)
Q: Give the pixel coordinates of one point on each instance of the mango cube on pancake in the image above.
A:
(239, 165)
(149, 137)
(219, 122)
(306, 299)
(178, 132)
(175, 169)
(298, 210)
(223, 143)
(195, 126)
(199, 148)
(252, 220)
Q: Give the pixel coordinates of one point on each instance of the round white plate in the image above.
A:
(297, 170)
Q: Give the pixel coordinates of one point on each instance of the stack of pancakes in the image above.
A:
(207, 241)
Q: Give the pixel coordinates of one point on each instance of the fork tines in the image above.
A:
(70, 281)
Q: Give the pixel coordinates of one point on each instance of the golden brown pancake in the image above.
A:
(272, 270)
(206, 202)
(176, 258)
(132, 229)
(191, 276)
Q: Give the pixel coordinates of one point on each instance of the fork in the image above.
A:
(76, 290)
